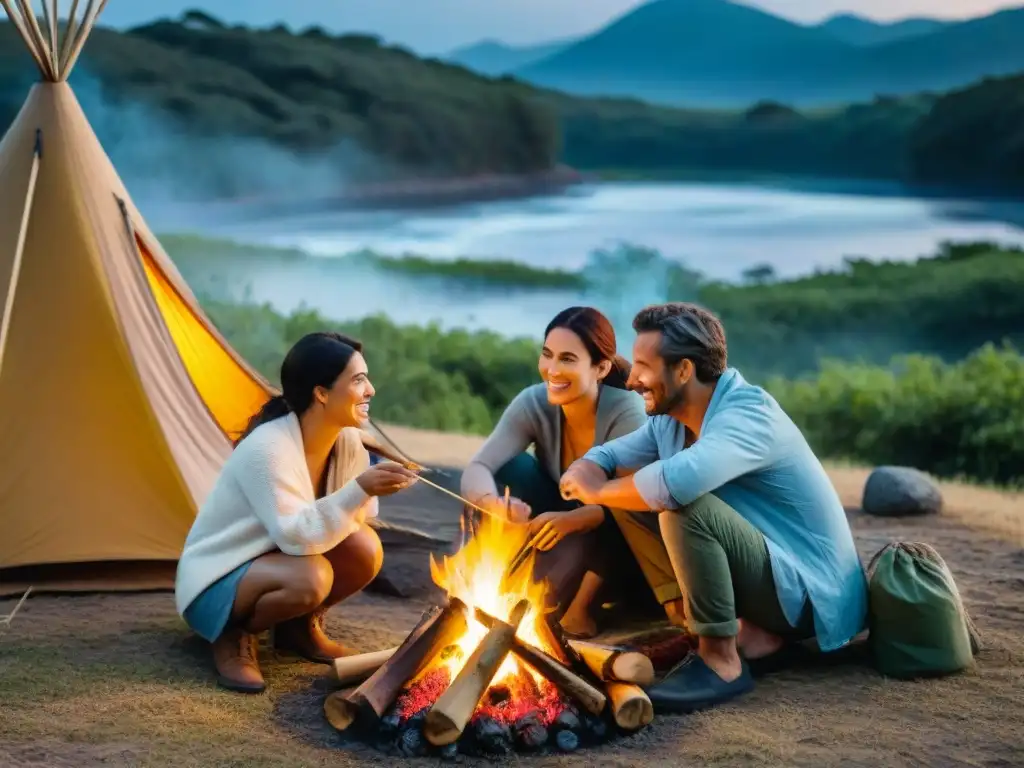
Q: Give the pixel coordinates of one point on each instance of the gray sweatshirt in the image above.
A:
(531, 420)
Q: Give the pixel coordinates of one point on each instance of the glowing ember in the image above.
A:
(475, 575)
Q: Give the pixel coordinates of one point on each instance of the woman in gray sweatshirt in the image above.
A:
(581, 402)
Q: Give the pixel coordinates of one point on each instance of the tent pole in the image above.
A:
(19, 249)
(92, 12)
(25, 35)
(50, 23)
(69, 40)
(32, 23)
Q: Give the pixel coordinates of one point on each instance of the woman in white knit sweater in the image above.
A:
(282, 535)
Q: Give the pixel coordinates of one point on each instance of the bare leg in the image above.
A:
(277, 587)
(757, 643)
(354, 564)
(578, 619)
(721, 654)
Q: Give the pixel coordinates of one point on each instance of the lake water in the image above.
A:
(718, 229)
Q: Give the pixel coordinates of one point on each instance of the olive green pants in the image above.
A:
(725, 571)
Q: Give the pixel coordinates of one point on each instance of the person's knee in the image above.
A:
(699, 513)
(363, 557)
(312, 583)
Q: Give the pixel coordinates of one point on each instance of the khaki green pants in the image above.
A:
(722, 563)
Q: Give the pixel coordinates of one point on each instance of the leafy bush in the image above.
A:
(960, 419)
(964, 419)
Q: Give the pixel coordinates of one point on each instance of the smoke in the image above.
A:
(167, 164)
(626, 277)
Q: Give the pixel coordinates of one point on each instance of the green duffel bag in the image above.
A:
(917, 621)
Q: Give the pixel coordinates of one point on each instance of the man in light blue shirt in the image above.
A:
(757, 536)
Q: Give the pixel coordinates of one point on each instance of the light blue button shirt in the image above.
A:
(754, 458)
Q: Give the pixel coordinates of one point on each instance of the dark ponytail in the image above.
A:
(598, 336)
(315, 360)
(619, 374)
(274, 408)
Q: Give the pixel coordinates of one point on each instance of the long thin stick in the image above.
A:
(19, 248)
(467, 502)
(6, 620)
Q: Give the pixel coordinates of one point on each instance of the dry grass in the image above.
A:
(117, 680)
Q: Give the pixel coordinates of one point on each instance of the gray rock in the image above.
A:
(899, 492)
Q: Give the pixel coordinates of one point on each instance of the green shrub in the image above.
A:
(964, 419)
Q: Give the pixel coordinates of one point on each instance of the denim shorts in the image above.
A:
(208, 614)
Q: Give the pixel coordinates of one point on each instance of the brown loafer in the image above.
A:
(305, 637)
(234, 656)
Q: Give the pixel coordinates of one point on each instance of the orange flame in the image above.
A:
(475, 575)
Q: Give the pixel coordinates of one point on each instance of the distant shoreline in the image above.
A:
(412, 193)
(424, 194)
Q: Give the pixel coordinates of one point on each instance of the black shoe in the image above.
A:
(692, 685)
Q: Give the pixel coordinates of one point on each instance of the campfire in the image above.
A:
(489, 672)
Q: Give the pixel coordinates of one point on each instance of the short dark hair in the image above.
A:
(688, 332)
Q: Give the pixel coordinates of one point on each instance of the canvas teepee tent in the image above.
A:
(118, 398)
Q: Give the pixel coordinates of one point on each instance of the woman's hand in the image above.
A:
(385, 479)
(550, 528)
(517, 511)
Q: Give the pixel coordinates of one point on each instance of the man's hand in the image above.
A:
(517, 511)
(582, 481)
(552, 527)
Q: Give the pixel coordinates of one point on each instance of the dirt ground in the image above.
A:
(118, 680)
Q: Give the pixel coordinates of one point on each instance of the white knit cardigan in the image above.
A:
(264, 500)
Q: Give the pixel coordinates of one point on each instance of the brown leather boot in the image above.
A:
(238, 669)
(305, 637)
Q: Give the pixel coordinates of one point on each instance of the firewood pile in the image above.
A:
(443, 692)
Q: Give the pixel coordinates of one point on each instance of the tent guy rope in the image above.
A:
(5, 622)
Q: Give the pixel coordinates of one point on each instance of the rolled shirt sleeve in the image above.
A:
(736, 441)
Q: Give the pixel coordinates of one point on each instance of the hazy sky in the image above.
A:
(434, 26)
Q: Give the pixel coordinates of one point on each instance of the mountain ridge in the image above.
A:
(716, 53)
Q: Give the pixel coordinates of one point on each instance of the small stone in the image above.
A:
(567, 741)
(449, 751)
(900, 491)
(531, 736)
(411, 742)
(567, 720)
(389, 724)
(492, 737)
(597, 728)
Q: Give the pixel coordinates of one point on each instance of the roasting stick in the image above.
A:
(463, 499)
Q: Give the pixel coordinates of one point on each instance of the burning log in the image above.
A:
(355, 669)
(437, 629)
(631, 707)
(450, 713)
(589, 697)
(614, 664)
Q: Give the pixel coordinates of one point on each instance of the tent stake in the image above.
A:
(19, 249)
